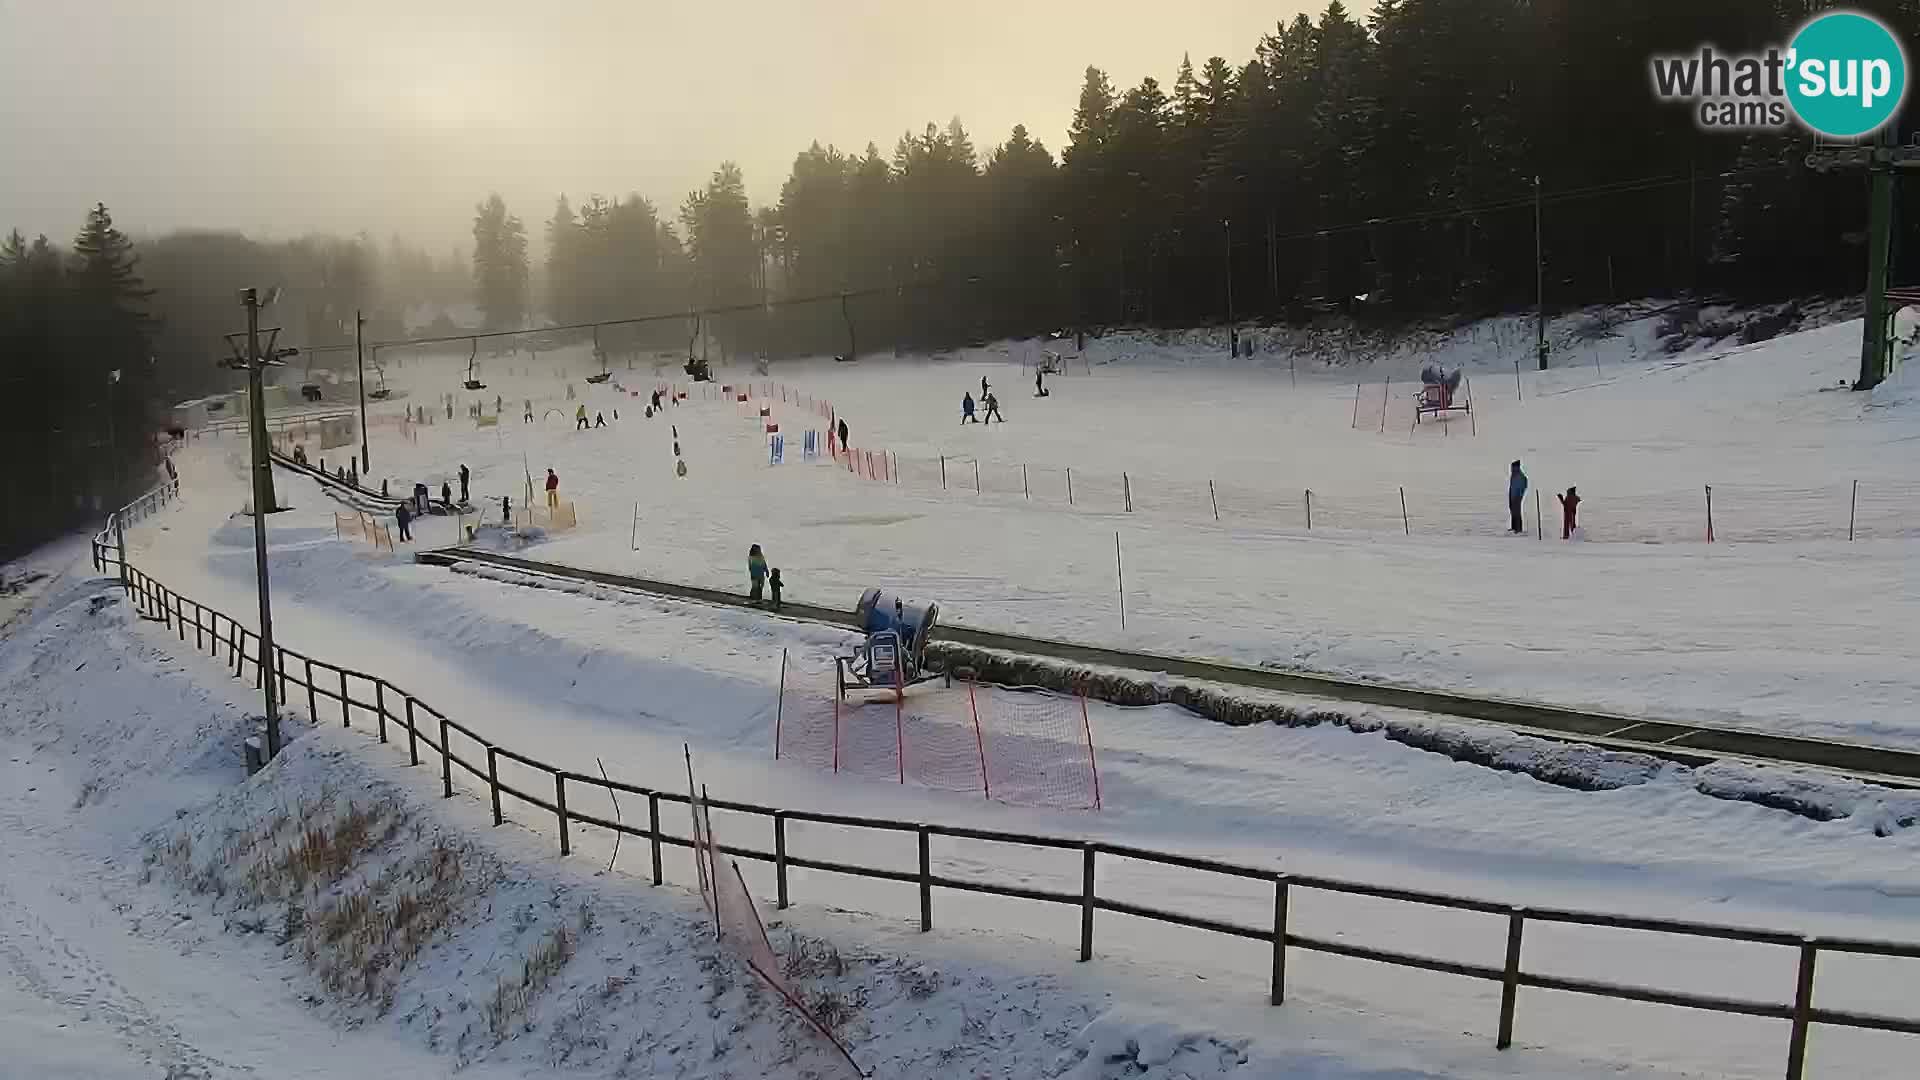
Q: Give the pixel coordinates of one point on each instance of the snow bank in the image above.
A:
(1819, 796)
(349, 913)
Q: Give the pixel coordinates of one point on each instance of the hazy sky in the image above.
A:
(283, 116)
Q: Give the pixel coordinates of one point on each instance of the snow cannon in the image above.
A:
(893, 655)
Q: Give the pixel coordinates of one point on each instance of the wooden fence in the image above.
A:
(395, 714)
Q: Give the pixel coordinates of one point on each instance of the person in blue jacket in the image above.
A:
(756, 572)
(1516, 491)
(966, 409)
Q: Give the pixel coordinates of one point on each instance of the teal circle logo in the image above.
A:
(1847, 74)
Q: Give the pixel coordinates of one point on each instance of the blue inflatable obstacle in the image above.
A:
(893, 657)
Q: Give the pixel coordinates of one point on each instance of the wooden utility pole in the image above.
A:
(360, 367)
(1539, 281)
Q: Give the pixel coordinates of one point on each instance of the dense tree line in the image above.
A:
(1394, 167)
(81, 437)
(78, 373)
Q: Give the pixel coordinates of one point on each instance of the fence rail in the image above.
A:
(1849, 508)
(389, 709)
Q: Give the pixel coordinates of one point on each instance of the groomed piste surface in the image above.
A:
(1782, 623)
(581, 680)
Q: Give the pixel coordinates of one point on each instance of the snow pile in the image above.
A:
(492, 536)
(1816, 795)
(1813, 795)
(1120, 1045)
(1903, 387)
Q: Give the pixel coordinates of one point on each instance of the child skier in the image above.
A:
(406, 517)
(773, 582)
(756, 572)
(1516, 492)
(966, 409)
(1569, 513)
(993, 409)
(580, 419)
(553, 490)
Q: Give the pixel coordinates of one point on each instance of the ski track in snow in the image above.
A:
(1668, 628)
(52, 968)
(90, 781)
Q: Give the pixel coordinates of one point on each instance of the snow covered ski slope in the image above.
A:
(582, 681)
(1781, 623)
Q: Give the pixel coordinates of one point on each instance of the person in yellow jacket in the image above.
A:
(580, 418)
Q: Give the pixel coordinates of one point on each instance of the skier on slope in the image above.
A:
(1569, 513)
(553, 490)
(464, 477)
(993, 410)
(966, 409)
(1516, 491)
(756, 572)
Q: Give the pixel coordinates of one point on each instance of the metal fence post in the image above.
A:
(446, 760)
(1278, 993)
(313, 698)
(346, 710)
(780, 858)
(926, 882)
(560, 801)
(199, 640)
(653, 832)
(413, 741)
(380, 706)
(1086, 902)
(1510, 979)
(493, 781)
(1802, 1011)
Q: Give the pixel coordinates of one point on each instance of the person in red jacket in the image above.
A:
(553, 490)
(1569, 513)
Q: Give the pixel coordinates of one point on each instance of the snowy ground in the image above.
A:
(1782, 624)
(122, 785)
(579, 682)
(141, 935)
